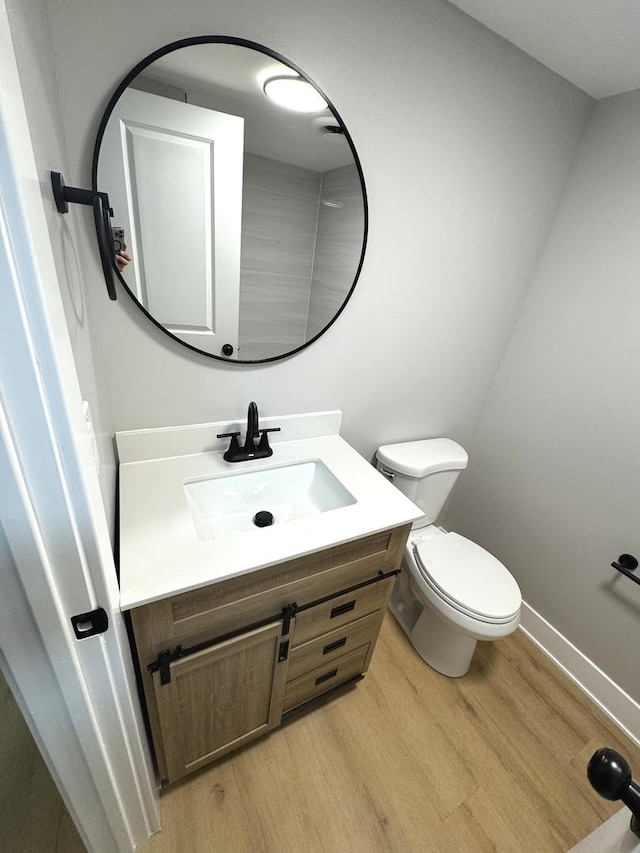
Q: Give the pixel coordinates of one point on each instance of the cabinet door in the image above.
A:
(220, 698)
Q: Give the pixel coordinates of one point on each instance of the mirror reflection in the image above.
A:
(245, 219)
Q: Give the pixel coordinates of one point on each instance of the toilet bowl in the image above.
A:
(451, 592)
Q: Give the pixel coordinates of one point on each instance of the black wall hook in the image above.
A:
(102, 212)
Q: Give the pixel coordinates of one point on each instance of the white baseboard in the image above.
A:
(621, 709)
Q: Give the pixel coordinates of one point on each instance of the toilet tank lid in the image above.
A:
(428, 456)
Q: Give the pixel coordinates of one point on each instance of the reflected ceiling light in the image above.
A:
(294, 93)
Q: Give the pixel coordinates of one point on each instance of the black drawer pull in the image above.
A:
(326, 676)
(333, 646)
(343, 608)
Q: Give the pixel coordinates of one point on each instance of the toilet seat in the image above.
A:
(468, 578)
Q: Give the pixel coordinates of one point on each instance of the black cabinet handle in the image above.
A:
(326, 676)
(342, 608)
(283, 651)
(333, 646)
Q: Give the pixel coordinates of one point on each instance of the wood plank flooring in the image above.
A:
(33, 817)
(410, 761)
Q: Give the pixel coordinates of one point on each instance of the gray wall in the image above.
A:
(554, 483)
(29, 27)
(465, 145)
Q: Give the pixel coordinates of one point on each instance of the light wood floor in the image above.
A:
(33, 817)
(409, 760)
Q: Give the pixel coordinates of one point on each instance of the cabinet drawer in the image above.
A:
(341, 610)
(201, 614)
(335, 644)
(325, 677)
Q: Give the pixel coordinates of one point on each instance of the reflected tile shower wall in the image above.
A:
(301, 245)
(338, 245)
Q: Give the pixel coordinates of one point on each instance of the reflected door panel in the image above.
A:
(175, 177)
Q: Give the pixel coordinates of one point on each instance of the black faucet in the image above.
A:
(235, 453)
(252, 428)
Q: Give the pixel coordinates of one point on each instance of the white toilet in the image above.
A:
(451, 592)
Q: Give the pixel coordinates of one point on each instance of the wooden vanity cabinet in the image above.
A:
(241, 652)
(219, 698)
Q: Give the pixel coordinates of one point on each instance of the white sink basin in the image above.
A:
(169, 518)
(227, 504)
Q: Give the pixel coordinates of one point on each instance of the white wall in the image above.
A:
(30, 34)
(465, 145)
(554, 483)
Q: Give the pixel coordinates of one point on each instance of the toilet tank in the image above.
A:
(425, 471)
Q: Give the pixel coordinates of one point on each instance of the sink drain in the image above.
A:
(263, 518)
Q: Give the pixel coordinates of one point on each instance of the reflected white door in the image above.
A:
(173, 172)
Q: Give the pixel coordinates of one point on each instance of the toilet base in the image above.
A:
(443, 646)
(438, 643)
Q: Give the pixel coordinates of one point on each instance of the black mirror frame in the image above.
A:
(196, 40)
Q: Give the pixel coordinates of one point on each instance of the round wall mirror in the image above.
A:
(244, 215)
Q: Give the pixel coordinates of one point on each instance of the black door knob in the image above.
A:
(610, 775)
(227, 349)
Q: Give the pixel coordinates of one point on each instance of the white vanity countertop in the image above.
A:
(160, 552)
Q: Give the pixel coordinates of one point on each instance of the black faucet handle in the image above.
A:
(264, 439)
(232, 435)
(232, 454)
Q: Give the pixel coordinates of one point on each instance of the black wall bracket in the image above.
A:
(102, 212)
(626, 564)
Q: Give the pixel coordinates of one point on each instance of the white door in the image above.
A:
(173, 172)
(76, 695)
